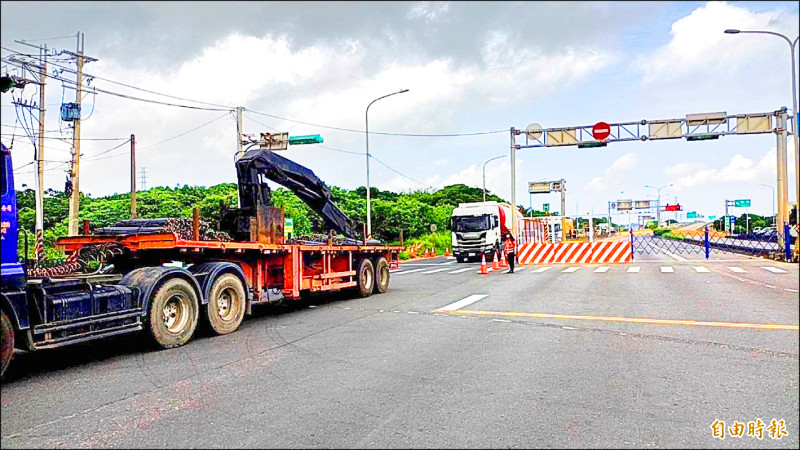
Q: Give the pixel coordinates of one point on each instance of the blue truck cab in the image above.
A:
(44, 312)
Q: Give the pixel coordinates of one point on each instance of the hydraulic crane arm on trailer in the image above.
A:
(253, 191)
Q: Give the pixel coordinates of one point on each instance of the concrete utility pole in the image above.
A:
(239, 110)
(133, 176)
(74, 201)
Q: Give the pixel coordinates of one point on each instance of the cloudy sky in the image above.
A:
(470, 67)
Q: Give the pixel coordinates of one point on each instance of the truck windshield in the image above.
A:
(472, 223)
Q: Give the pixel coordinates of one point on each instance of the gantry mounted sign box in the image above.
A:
(642, 204)
(542, 187)
(624, 205)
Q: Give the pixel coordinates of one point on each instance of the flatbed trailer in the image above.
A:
(293, 268)
(140, 275)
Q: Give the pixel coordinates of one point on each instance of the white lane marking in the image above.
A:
(436, 270)
(667, 269)
(461, 270)
(602, 269)
(673, 255)
(701, 269)
(451, 257)
(463, 302)
(770, 286)
(773, 269)
(501, 320)
(570, 269)
(422, 264)
(541, 269)
(488, 270)
(519, 269)
(791, 290)
(633, 269)
(408, 271)
(412, 312)
(448, 262)
(737, 269)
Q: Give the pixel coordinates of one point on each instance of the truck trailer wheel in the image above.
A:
(226, 304)
(381, 275)
(366, 277)
(7, 336)
(173, 313)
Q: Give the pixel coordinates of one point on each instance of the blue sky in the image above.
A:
(470, 67)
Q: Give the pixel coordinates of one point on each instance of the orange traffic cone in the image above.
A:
(495, 264)
(446, 251)
(503, 262)
(484, 269)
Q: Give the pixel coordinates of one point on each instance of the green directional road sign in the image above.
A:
(712, 217)
(288, 226)
(745, 203)
(546, 207)
(309, 139)
(691, 215)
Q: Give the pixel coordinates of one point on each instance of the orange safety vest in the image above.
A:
(509, 246)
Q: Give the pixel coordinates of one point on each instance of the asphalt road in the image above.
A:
(646, 354)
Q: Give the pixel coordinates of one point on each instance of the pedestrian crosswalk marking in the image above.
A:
(633, 269)
(701, 269)
(737, 269)
(773, 269)
(602, 269)
(408, 271)
(541, 269)
(436, 270)
(461, 270)
(570, 269)
(667, 269)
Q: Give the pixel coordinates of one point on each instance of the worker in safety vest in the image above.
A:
(510, 246)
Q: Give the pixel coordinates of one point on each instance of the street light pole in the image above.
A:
(366, 133)
(658, 202)
(484, 173)
(792, 46)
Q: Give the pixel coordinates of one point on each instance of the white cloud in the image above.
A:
(682, 168)
(612, 176)
(428, 10)
(739, 169)
(699, 44)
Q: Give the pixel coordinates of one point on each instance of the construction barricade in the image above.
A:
(575, 253)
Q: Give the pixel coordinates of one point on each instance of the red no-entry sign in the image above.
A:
(601, 131)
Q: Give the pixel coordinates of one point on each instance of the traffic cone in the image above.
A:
(484, 269)
(503, 262)
(446, 251)
(495, 264)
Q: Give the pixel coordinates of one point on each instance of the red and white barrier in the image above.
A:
(575, 253)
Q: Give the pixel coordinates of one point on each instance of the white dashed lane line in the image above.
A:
(461, 270)
(737, 270)
(774, 269)
(541, 269)
(633, 269)
(463, 302)
(667, 269)
(701, 269)
(602, 269)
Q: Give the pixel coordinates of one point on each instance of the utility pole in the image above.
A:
(133, 176)
(238, 143)
(74, 201)
(39, 247)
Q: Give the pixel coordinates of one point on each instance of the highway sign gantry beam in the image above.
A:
(693, 127)
(696, 126)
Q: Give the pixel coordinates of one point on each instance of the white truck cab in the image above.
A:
(476, 230)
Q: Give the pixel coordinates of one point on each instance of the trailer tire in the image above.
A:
(381, 275)
(226, 304)
(174, 310)
(7, 345)
(366, 277)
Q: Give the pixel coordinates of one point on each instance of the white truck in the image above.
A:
(478, 228)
